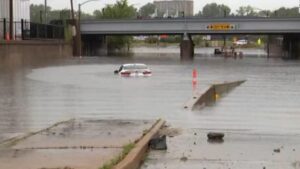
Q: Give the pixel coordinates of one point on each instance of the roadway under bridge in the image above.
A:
(289, 28)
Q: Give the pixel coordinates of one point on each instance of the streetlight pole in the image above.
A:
(78, 25)
(79, 29)
(74, 31)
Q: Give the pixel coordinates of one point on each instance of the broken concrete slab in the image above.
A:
(233, 153)
(77, 144)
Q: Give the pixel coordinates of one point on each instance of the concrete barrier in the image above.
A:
(135, 157)
(210, 95)
(36, 48)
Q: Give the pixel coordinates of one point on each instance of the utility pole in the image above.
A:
(72, 10)
(11, 18)
(224, 36)
(41, 16)
(45, 19)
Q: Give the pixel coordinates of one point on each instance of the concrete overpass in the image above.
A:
(192, 26)
(289, 27)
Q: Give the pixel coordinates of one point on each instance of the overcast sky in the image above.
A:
(198, 4)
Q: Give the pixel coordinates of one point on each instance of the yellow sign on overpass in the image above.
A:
(221, 26)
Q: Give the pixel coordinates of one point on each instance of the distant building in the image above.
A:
(174, 8)
(21, 11)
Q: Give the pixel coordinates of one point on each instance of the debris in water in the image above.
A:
(277, 150)
(215, 137)
(158, 143)
(183, 158)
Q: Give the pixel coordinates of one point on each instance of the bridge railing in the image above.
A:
(3, 28)
(24, 30)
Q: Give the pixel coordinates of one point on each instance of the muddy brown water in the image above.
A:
(37, 92)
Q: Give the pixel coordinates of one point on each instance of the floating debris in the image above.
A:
(277, 150)
(184, 159)
(215, 137)
(158, 143)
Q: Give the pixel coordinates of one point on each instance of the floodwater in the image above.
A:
(37, 92)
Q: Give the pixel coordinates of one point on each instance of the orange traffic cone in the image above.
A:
(194, 81)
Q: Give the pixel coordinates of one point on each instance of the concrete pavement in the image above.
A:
(75, 144)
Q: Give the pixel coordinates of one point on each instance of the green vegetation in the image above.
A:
(126, 149)
(147, 10)
(119, 10)
(221, 10)
(37, 14)
(214, 10)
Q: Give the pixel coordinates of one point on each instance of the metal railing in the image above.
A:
(25, 30)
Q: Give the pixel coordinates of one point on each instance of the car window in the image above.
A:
(140, 66)
(128, 67)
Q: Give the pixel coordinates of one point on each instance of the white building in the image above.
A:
(175, 8)
(21, 11)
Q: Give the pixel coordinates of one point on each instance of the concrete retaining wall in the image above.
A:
(135, 157)
(38, 48)
(210, 95)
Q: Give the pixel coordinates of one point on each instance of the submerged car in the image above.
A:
(134, 69)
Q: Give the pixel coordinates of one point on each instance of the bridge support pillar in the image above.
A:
(186, 48)
(94, 45)
(291, 46)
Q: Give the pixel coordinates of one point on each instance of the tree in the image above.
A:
(37, 13)
(215, 10)
(286, 12)
(246, 11)
(264, 13)
(119, 10)
(147, 10)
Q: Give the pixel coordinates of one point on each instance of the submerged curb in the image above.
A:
(137, 154)
(15, 140)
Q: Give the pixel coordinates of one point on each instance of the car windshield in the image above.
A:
(128, 67)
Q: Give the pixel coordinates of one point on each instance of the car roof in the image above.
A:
(134, 64)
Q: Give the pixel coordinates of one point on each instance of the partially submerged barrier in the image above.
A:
(211, 94)
(137, 154)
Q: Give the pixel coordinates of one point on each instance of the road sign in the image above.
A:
(221, 26)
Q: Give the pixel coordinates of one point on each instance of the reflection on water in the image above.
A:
(36, 92)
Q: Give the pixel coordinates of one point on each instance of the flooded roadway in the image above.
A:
(38, 92)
